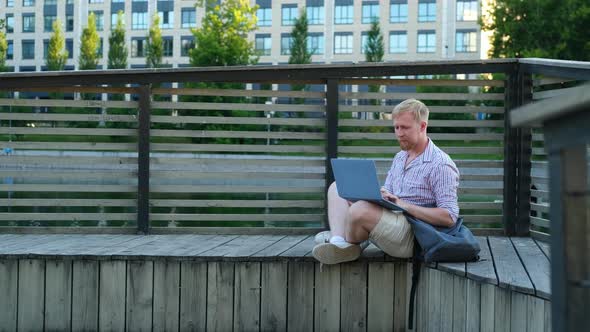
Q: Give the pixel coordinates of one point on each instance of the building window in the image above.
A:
(343, 43)
(9, 23)
(288, 14)
(262, 44)
(264, 16)
(114, 18)
(138, 47)
(9, 3)
(166, 19)
(50, 2)
(28, 47)
(286, 41)
(168, 44)
(10, 50)
(70, 23)
(186, 44)
(95, 1)
(426, 41)
(315, 15)
(45, 48)
(398, 11)
(189, 18)
(139, 21)
(364, 41)
(467, 10)
(466, 41)
(48, 23)
(28, 22)
(427, 11)
(70, 48)
(343, 14)
(28, 3)
(99, 18)
(370, 12)
(100, 48)
(398, 42)
(315, 43)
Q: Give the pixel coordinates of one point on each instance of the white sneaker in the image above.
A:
(328, 253)
(322, 237)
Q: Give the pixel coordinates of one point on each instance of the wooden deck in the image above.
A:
(260, 282)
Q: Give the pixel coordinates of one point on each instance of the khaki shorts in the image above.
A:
(393, 234)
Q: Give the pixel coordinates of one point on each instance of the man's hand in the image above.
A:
(388, 196)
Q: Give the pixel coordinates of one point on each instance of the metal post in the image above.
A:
(332, 130)
(510, 148)
(143, 160)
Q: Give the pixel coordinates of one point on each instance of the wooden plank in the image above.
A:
(166, 295)
(510, 271)
(382, 288)
(236, 148)
(237, 134)
(85, 276)
(234, 174)
(140, 287)
(447, 300)
(236, 107)
(280, 246)
(112, 295)
(433, 136)
(300, 278)
(473, 299)
(353, 296)
(235, 203)
(535, 315)
(502, 309)
(327, 297)
(67, 131)
(8, 294)
(247, 296)
(536, 264)
(67, 202)
(433, 109)
(31, 289)
(545, 248)
(67, 89)
(58, 295)
(421, 304)
(423, 82)
(301, 249)
(518, 311)
(67, 117)
(273, 297)
(292, 217)
(401, 301)
(483, 270)
(389, 149)
(460, 301)
(193, 296)
(431, 123)
(458, 268)
(314, 122)
(421, 96)
(487, 308)
(242, 246)
(547, 317)
(82, 146)
(237, 93)
(67, 103)
(434, 300)
(220, 301)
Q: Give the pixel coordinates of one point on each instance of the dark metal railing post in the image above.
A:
(143, 160)
(331, 131)
(510, 148)
(523, 160)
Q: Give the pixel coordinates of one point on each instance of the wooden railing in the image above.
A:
(155, 151)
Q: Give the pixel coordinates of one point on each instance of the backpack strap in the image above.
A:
(415, 278)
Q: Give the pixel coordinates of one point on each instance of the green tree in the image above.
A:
(374, 49)
(298, 48)
(117, 49)
(222, 38)
(57, 55)
(155, 45)
(3, 47)
(539, 28)
(89, 45)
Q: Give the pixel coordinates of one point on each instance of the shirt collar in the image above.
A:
(428, 152)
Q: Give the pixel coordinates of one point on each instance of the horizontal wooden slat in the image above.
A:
(51, 161)
(421, 96)
(394, 149)
(422, 82)
(538, 137)
(80, 146)
(543, 194)
(236, 106)
(479, 163)
(66, 216)
(479, 205)
(65, 175)
(550, 80)
(61, 202)
(233, 189)
(434, 136)
(482, 177)
(543, 208)
(540, 222)
(189, 175)
(238, 148)
(68, 103)
(68, 131)
(238, 120)
(68, 117)
(482, 219)
(551, 93)
(431, 123)
(95, 188)
(539, 151)
(238, 203)
(236, 134)
(237, 93)
(238, 217)
(244, 162)
(479, 191)
(70, 89)
(432, 109)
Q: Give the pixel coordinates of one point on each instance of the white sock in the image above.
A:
(339, 241)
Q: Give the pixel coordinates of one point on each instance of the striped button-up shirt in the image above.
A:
(430, 180)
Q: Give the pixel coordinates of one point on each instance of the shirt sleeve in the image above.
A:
(445, 180)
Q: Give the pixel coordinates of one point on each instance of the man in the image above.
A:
(423, 180)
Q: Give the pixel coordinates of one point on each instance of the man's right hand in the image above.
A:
(387, 195)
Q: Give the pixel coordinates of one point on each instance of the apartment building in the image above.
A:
(412, 29)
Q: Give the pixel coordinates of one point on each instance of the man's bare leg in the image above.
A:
(362, 219)
(337, 212)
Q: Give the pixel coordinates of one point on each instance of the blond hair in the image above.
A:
(414, 106)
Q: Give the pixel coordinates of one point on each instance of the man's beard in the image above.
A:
(406, 146)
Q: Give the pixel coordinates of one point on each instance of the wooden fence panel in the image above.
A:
(58, 295)
(273, 297)
(166, 295)
(112, 295)
(85, 295)
(9, 294)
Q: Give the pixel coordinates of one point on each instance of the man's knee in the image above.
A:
(362, 211)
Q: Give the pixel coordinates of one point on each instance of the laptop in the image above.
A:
(356, 179)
